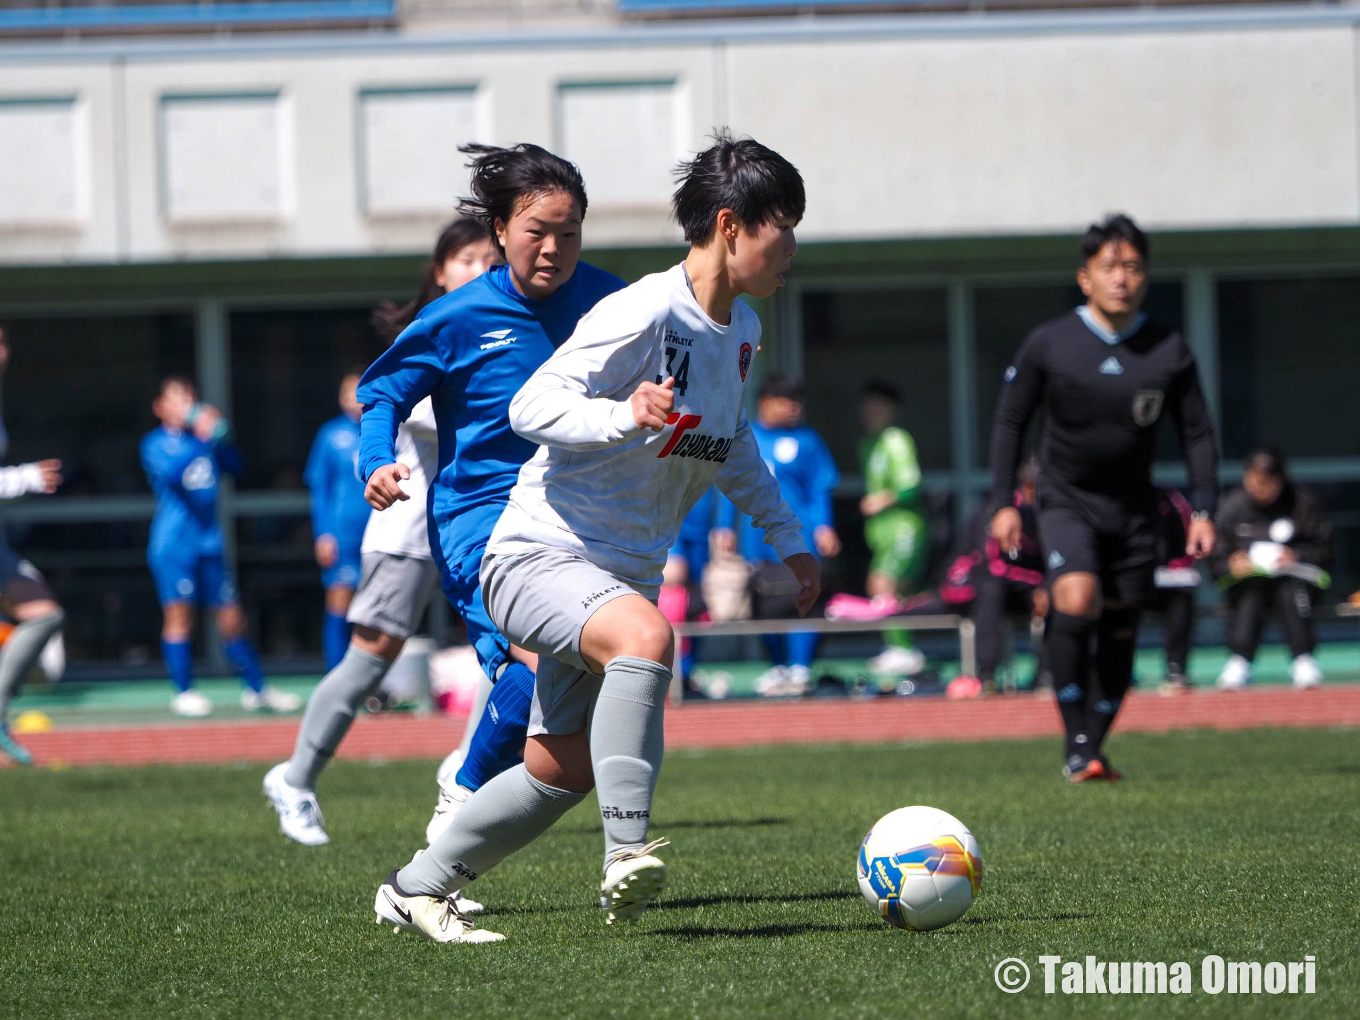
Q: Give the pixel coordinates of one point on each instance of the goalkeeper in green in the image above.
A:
(896, 525)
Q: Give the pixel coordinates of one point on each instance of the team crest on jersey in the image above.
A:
(744, 361)
(1147, 406)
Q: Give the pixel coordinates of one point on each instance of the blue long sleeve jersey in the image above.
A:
(801, 463)
(332, 475)
(184, 473)
(470, 352)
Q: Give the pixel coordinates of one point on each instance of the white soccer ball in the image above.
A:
(919, 868)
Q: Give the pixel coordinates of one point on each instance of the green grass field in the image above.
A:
(168, 892)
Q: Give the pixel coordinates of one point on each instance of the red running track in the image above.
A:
(721, 724)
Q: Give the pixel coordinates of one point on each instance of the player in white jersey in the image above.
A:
(398, 577)
(24, 595)
(638, 413)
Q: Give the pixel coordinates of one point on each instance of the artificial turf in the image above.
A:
(168, 892)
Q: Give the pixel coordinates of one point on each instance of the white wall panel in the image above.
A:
(44, 162)
(625, 137)
(409, 161)
(225, 159)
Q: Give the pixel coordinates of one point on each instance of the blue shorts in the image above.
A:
(348, 566)
(203, 581)
(462, 584)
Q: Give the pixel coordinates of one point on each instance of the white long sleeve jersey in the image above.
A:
(616, 493)
(403, 529)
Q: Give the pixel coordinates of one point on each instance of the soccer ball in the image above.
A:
(919, 868)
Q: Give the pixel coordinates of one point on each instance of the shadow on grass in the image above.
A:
(689, 902)
(1026, 917)
(691, 933)
(694, 823)
(684, 903)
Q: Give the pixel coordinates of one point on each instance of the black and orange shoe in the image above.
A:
(1082, 770)
(1111, 776)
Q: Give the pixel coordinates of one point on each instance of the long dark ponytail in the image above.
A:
(389, 319)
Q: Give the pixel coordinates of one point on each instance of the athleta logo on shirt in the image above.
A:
(685, 443)
(499, 338)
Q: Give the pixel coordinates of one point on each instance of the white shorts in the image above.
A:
(393, 593)
(540, 599)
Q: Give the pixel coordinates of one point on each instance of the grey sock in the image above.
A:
(330, 712)
(626, 745)
(22, 649)
(509, 812)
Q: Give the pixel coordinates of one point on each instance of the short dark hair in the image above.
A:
(1116, 227)
(755, 182)
(881, 391)
(502, 178)
(1268, 459)
(390, 319)
(782, 385)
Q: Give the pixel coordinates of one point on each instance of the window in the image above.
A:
(1289, 359)
(80, 388)
(897, 336)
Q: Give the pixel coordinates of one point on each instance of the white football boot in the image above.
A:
(191, 704)
(270, 699)
(896, 661)
(299, 813)
(1236, 674)
(1305, 672)
(632, 879)
(434, 917)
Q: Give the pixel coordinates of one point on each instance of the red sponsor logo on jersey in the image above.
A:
(744, 361)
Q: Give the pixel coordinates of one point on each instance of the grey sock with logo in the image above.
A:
(330, 713)
(507, 813)
(627, 742)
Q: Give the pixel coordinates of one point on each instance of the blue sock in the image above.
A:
(802, 646)
(498, 742)
(334, 639)
(179, 661)
(241, 654)
(776, 649)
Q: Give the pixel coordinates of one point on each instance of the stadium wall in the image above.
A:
(233, 208)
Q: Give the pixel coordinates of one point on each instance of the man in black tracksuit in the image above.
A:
(1284, 525)
(1104, 376)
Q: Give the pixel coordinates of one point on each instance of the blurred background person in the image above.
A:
(339, 514)
(1174, 585)
(25, 596)
(399, 576)
(182, 459)
(684, 572)
(1275, 542)
(896, 524)
(800, 461)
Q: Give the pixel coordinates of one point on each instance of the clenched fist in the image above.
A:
(653, 403)
(382, 489)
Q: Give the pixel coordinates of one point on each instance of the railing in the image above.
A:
(743, 628)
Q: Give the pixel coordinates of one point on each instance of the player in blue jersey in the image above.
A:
(802, 464)
(183, 460)
(470, 352)
(339, 515)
